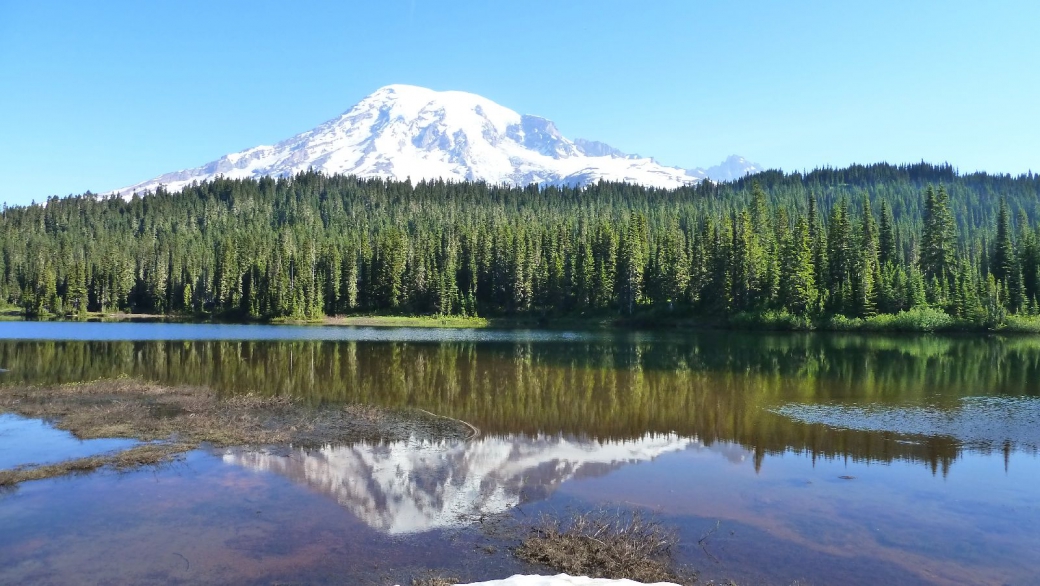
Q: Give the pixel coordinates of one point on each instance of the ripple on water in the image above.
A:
(977, 422)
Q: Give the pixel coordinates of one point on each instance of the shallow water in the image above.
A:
(822, 458)
(29, 441)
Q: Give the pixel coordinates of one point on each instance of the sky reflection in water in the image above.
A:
(30, 441)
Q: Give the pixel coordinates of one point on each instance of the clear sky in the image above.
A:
(98, 95)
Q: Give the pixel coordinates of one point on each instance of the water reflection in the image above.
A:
(409, 487)
(653, 420)
(31, 442)
(150, 330)
(769, 394)
(978, 422)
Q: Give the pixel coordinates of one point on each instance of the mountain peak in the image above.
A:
(405, 131)
(401, 88)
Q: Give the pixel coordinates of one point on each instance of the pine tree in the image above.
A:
(606, 258)
(938, 239)
(310, 245)
(744, 273)
(673, 266)
(867, 272)
(1029, 260)
(389, 265)
(631, 264)
(797, 274)
(840, 258)
(1002, 259)
(886, 236)
(818, 240)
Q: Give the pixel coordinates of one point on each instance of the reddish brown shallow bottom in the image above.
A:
(201, 522)
(207, 521)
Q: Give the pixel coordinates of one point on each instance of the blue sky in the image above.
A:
(98, 95)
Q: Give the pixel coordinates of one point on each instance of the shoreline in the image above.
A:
(919, 321)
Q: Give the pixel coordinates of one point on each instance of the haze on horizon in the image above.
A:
(96, 97)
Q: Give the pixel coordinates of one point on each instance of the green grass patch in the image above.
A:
(771, 320)
(403, 321)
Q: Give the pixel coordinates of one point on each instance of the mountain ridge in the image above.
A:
(408, 132)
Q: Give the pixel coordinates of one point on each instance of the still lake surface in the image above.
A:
(825, 458)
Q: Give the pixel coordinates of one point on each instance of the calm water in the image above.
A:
(25, 442)
(821, 458)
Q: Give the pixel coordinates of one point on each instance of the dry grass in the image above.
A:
(146, 455)
(130, 408)
(434, 581)
(604, 544)
(188, 416)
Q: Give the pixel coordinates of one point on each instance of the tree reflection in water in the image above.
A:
(766, 393)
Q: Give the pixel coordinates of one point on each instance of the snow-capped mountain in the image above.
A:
(734, 167)
(407, 132)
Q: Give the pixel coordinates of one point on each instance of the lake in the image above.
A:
(825, 458)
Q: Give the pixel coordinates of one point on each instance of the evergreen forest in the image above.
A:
(913, 246)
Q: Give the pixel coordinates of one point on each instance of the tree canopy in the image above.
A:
(854, 242)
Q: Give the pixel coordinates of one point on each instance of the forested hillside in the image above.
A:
(851, 242)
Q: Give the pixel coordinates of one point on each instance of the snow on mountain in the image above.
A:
(408, 132)
(734, 167)
(592, 148)
(409, 487)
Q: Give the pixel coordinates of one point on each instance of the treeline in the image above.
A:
(856, 242)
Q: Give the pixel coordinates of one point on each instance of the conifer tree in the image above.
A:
(1002, 260)
(938, 238)
(840, 258)
(311, 245)
(797, 278)
(886, 236)
(867, 272)
(631, 264)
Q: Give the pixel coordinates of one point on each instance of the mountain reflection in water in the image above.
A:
(410, 487)
(773, 440)
(868, 398)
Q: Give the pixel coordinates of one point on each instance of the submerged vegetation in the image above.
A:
(145, 455)
(717, 386)
(180, 418)
(831, 249)
(135, 409)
